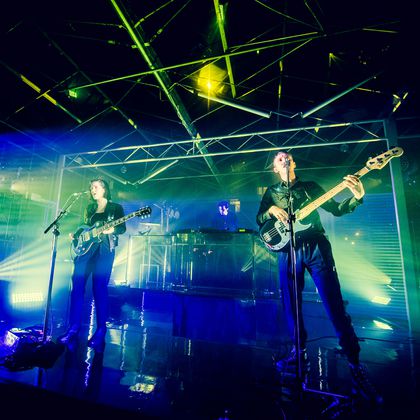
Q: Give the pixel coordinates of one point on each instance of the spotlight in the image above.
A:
(72, 93)
(382, 325)
(397, 99)
(210, 79)
(381, 300)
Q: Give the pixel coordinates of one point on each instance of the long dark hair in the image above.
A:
(92, 206)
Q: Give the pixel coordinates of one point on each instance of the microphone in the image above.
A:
(287, 161)
(81, 193)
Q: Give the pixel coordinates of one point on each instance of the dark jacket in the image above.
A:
(303, 192)
(113, 211)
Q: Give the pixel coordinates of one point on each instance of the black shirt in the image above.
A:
(303, 192)
(113, 211)
(225, 222)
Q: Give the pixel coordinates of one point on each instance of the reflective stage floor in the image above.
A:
(197, 356)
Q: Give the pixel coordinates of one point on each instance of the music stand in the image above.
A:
(301, 385)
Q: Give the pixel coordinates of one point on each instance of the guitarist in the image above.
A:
(313, 253)
(97, 262)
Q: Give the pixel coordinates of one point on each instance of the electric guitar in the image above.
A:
(274, 233)
(86, 236)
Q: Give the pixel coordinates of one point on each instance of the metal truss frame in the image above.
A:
(230, 145)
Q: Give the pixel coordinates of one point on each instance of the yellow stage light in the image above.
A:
(382, 300)
(210, 79)
(73, 93)
(27, 297)
(382, 325)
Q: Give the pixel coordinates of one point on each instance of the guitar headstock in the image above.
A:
(144, 212)
(378, 162)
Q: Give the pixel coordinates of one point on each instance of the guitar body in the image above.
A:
(84, 238)
(275, 234)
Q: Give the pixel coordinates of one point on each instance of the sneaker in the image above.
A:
(290, 361)
(362, 386)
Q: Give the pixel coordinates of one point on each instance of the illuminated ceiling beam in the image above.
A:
(360, 148)
(153, 61)
(44, 94)
(235, 104)
(249, 91)
(112, 106)
(143, 19)
(156, 172)
(287, 17)
(257, 46)
(314, 15)
(220, 15)
(173, 16)
(334, 98)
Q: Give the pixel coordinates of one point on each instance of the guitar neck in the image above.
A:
(117, 222)
(308, 209)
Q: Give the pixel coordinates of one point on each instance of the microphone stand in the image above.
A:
(292, 246)
(56, 233)
(42, 353)
(301, 385)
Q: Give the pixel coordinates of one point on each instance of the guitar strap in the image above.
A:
(306, 193)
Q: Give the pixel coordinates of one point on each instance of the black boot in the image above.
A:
(97, 341)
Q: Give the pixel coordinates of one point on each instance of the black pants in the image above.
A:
(314, 254)
(98, 263)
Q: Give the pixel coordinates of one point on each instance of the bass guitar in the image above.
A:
(86, 236)
(275, 234)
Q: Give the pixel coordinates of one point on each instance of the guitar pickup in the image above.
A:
(267, 237)
(86, 236)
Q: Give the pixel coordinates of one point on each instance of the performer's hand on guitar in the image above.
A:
(108, 231)
(71, 236)
(354, 184)
(278, 213)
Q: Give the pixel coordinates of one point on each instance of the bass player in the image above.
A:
(313, 253)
